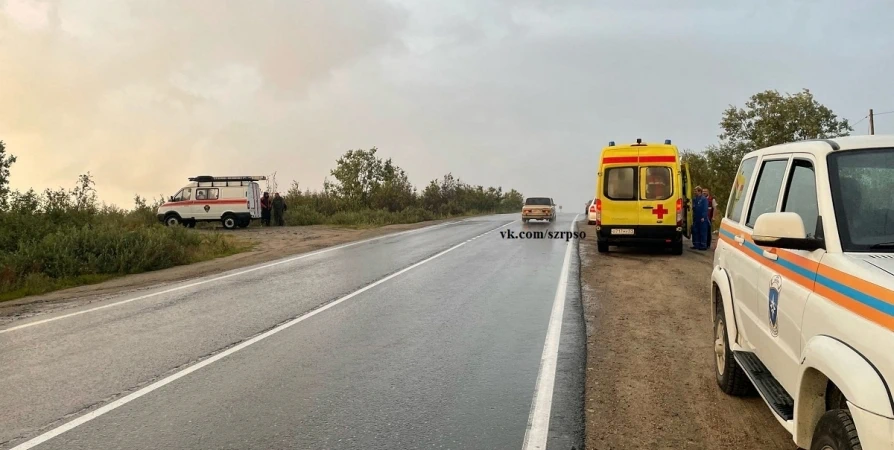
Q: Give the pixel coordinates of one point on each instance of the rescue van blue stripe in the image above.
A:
(868, 300)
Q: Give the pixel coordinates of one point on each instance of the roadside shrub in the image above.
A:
(105, 249)
(299, 215)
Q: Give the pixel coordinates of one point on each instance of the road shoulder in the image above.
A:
(650, 374)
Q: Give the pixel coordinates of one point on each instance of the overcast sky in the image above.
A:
(521, 94)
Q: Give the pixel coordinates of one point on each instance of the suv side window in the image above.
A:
(800, 195)
(766, 193)
(741, 186)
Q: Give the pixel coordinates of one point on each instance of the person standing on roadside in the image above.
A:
(279, 208)
(265, 209)
(700, 219)
(712, 207)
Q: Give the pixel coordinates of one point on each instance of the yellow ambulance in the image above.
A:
(642, 197)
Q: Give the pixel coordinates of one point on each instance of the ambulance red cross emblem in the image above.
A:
(660, 211)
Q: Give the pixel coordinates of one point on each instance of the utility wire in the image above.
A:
(867, 116)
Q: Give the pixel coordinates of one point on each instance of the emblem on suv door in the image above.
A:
(773, 304)
(207, 207)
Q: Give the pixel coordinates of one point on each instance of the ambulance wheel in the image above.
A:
(229, 221)
(677, 248)
(173, 220)
(602, 247)
(836, 431)
(730, 377)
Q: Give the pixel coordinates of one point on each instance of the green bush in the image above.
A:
(62, 238)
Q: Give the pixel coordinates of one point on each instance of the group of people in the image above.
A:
(703, 207)
(276, 206)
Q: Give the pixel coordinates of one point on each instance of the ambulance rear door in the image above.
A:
(656, 187)
(618, 182)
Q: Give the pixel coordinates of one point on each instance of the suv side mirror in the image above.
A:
(783, 230)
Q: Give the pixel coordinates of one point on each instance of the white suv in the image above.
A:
(803, 289)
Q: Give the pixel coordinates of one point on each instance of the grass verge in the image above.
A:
(71, 257)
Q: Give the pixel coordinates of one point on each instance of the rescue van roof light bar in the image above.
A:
(202, 178)
(667, 142)
(611, 143)
(639, 142)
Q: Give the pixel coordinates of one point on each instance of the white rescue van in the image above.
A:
(234, 201)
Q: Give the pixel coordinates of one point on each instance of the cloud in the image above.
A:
(518, 93)
(135, 91)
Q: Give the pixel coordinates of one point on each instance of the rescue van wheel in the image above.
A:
(172, 220)
(836, 431)
(229, 221)
(602, 247)
(730, 377)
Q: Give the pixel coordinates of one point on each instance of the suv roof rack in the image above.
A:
(831, 143)
(204, 178)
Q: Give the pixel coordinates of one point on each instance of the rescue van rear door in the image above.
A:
(253, 195)
(656, 188)
(619, 187)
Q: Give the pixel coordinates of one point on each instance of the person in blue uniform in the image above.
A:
(700, 220)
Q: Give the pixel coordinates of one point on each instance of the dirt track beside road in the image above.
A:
(650, 373)
(269, 243)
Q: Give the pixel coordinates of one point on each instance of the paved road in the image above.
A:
(433, 338)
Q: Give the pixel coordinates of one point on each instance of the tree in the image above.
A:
(357, 174)
(84, 194)
(272, 186)
(513, 201)
(768, 118)
(6, 161)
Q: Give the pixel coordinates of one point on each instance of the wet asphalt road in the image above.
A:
(444, 354)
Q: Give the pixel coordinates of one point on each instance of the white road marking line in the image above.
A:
(174, 377)
(198, 283)
(541, 406)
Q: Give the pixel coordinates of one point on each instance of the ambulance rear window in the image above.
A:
(620, 183)
(657, 183)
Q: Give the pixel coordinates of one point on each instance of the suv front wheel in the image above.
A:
(836, 431)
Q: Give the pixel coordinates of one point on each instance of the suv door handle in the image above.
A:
(740, 239)
(770, 255)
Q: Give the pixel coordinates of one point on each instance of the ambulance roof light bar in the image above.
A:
(667, 142)
(611, 143)
(639, 142)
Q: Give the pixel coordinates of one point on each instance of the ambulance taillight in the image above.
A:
(679, 212)
(598, 212)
